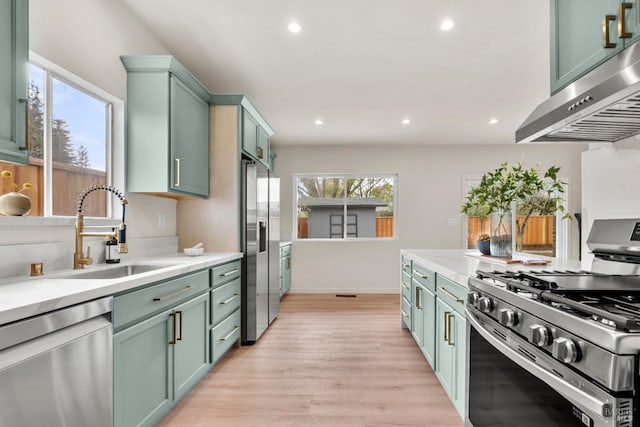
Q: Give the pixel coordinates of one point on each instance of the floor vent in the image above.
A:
(346, 295)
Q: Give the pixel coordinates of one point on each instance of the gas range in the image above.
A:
(577, 333)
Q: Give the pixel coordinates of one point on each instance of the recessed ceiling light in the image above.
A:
(294, 27)
(493, 121)
(318, 122)
(446, 25)
(406, 121)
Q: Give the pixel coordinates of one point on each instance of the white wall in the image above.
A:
(429, 195)
(610, 185)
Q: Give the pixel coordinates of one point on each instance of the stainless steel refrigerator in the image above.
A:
(261, 251)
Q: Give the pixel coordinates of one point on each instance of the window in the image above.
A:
(543, 235)
(70, 145)
(345, 206)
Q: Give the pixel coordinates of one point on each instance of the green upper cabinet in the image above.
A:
(14, 51)
(585, 33)
(167, 128)
(254, 132)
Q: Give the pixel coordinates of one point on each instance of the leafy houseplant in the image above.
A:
(534, 192)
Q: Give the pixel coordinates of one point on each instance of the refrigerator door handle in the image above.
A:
(262, 237)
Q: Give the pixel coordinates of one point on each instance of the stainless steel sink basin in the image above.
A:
(117, 272)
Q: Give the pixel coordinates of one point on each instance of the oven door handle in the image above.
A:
(571, 393)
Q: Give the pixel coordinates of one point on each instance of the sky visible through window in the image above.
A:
(84, 115)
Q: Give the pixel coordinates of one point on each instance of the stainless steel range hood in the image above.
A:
(602, 106)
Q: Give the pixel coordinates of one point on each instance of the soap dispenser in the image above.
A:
(112, 256)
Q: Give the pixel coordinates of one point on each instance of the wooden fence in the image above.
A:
(384, 227)
(538, 232)
(68, 183)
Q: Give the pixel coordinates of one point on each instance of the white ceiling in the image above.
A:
(364, 65)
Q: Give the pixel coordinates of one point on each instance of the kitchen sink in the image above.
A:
(117, 272)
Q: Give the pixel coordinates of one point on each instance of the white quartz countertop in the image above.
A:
(29, 296)
(459, 264)
(285, 243)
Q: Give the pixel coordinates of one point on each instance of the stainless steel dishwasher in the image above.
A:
(56, 369)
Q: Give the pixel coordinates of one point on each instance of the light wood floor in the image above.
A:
(326, 361)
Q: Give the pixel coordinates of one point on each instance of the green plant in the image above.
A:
(535, 192)
(484, 237)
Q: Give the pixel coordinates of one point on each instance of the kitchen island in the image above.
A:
(433, 294)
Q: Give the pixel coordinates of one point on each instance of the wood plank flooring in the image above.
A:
(326, 361)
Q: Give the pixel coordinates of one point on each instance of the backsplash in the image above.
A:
(17, 259)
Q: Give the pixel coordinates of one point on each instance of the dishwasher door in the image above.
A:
(62, 376)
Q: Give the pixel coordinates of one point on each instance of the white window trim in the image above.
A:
(294, 215)
(114, 156)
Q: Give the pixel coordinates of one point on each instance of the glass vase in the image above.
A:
(501, 234)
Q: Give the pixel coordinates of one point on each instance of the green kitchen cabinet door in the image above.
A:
(249, 134)
(191, 351)
(417, 313)
(429, 326)
(282, 275)
(577, 37)
(14, 74)
(189, 140)
(287, 274)
(263, 147)
(632, 21)
(445, 350)
(143, 366)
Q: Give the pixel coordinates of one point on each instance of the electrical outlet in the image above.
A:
(162, 220)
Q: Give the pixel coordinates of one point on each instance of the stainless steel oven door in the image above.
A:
(513, 383)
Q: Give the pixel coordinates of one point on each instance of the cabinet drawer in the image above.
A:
(285, 250)
(136, 305)
(406, 312)
(225, 273)
(452, 293)
(406, 264)
(225, 300)
(406, 286)
(225, 335)
(424, 276)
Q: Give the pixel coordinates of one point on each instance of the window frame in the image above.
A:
(345, 177)
(114, 141)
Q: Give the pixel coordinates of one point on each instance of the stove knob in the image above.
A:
(508, 317)
(485, 304)
(565, 350)
(472, 298)
(539, 335)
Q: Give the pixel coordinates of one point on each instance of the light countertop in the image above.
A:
(285, 243)
(29, 296)
(459, 264)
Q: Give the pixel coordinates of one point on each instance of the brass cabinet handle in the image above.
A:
(449, 316)
(404, 314)
(172, 294)
(605, 32)
(450, 295)
(418, 305)
(181, 322)
(622, 22)
(229, 273)
(420, 274)
(406, 265)
(445, 323)
(229, 334)
(177, 180)
(227, 301)
(288, 263)
(173, 339)
(27, 125)
(405, 286)
(260, 151)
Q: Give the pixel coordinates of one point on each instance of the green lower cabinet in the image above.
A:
(429, 326)
(158, 360)
(143, 364)
(450, 352)
(225, 335)
(191, 351)
(417, 313)
(285, 269)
